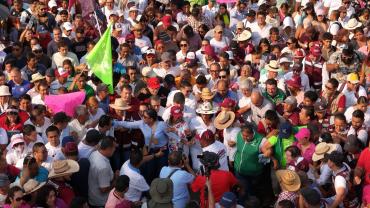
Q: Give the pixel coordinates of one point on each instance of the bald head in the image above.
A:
(256, 97)
(222, 87)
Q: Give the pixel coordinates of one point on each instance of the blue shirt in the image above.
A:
(19, 90)
(230, 94)
(42, 175)
(181, 179)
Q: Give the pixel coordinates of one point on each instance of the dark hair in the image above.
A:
(152, 114)
(327, 36)
(274, 30)
(105, 120)
(77, 202)
(43, 194)
(63, 12)
(247, 127)
(37, 146)
(337, 158)
(185, 83)
(224, 55)
(122, 183)
(51, 129)
(362, 99)
(310, 111)
(326, 137)
(188, 30)
(179, 98)
(29, 160)
(127, 87)
(340, 116)
(62, 44)
(30, 56)
(175, 158)
(272, 116)
(334, 82)
(11, 192)
(106, 142)
(201, 79)
(271, 82)
(136, 156)
(286, 204)
(25, 97)
(294, 151)
(358, 114)
(312, 95)
(28, 129)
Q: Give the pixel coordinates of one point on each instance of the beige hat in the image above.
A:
(244, 36)
(119, 104)
(63, 167)
(206, 108)
(4, 90)
(240, 25)
(32, 185)
(36, 77)
(321, 149)
(273, 66)
(207, 94)
(224, 119)
(352, 24)
(148, 72)
(289, 180)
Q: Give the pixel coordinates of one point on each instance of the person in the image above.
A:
(17, 152)
(54, 145)
(116, 195)
(15, 198)
(47, 197)
(259, 106)
(295, 161)
(358, 128)
(290, 183)
(101, 176)
(4, 188)
(304, 143)
(310, 197)
(274, 94)
(88, 144)
(320, 168)
(362, 170)
(180, 178)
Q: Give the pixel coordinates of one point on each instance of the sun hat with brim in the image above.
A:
(321, 149)
(61, 168)
(224, 119)
(289, 180)
(206, 108)
(16, 139)
(353, 78)
(161, 191)
(273, 66)
(352, 24)
(207, 94)
(119, 104)
(4, 91)
(32, 185)
(37, 77)
(244, 36)
(285, 60)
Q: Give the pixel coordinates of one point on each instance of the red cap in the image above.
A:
(208, 50)
(295, 81)
(176, 111)
(228, 103)
(61, 72)
(130, 36)
(166, 20)
(315, 50)
(207, 135)
(299, 53)
(153, 83)
(71, 147)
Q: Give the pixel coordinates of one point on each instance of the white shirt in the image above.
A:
(332, 5)
(53, 151)
(258, 33)
(188, 112)
(304, 80)
(3, 136)
(230, 134)
(351, 98)
(349, 112)
(97, 116)
(361, 134)
(137, 182)
(100, 176)
(181, 18)
(218, 46)
(12, 156)
(143, 41)
(77, 127)
(161, 72)
(220, 149)
(41, 129)
(189, 101)
(84, 151)
(180, 57)
(36, 100)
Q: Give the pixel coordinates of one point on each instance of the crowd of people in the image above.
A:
(216, 104)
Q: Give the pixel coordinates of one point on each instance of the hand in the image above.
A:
(142, 62)
(75, 79)
(357, 180)
(273, 133)
(25, 173)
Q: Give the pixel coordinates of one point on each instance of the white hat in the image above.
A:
(273, 66)
(285, 60)
(32, 185)
(63, 167)
(133, 8)
(190, 55)
(148, 72)
(352, 24)
(36, 47)
(52, 4)
(231, 55)
(4, 90)
(206, 108)
(16, 139)
(67, 26)
(119, 104)
(288, 22)
(245, 35)
(36, 77)
(320, 12)
(118, 26)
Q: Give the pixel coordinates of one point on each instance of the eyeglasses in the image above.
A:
(213, 71)
(222, 77)
(183, 45)
(288, 43)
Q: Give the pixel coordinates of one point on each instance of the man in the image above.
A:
(102, 95)
(358, 128)
(79, 43)
(40, 153)
(31, 170)
(18, 86)
(219, 42)
(306, 116)
(53, 146)
(17, 55)
(109, 8)
(260, 29)
(336, 100)
(179, 100)
(311, 198)
(61, 81)
(141, 40)
(180, 178)
(313, 64)
(4, 187)
(79, 84)
(126, 58)
(57, 38)
(259, 106)
(89, 143)
(101, 177)
(297, 71)
(30, 136)
(341, 174)
(209, 144)
(352, 89)
(61, 120)
(225, 64)
(187, 89)
(214, 70)
(290, 111)
(32, 67)
(67, 30)
(362, 171)
(63, 54)
(272, 73)
(166, 66)
(116, 197)
(224, 92)
(274, 94)
(80, 123)
(41, 57)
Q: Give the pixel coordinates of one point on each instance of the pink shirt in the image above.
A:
(113, 200)
(307, 154)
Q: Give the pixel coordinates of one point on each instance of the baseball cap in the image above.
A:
(67, 26)
(129, 36)
(228, 200)
(207, 135)
(153, 83)
(295, 81)
(66, 140)
(228, 103)
(285, 130)
(61, 72)
(150, 51)
(285, 60)
(176, 111)
(148, 72)
(52, 4)
(320, 106)
(71, 148)
(303, 133)
(315, 50)
(50, 72)
(190, 56)
(166, 20)
(118, 26)
(291, 100)
(133, 8)
(353, 78)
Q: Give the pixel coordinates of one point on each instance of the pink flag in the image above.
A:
(65, 102)
(87, 7)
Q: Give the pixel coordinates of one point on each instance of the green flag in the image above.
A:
(100, 59)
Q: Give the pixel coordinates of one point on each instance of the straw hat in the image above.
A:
(63, 167)
(289, 180)
(321, 149)
(224, 119)
(206, 108)
(273, 66)
(36, 77)
(161, 191)
(32, 185)
(119, 104)
(4, 90)
(352, 24)
(244, 36)
(207, 94)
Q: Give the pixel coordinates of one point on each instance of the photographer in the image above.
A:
(222, 181)
(179, 177)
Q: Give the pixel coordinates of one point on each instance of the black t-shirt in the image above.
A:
(80, 48)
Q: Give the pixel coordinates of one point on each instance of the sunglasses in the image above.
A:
(222, 77)
(183, 45)
(19, 199)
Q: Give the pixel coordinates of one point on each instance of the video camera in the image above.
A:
(210, 161)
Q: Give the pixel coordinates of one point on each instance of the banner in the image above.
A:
(65, 102)
(87, 7)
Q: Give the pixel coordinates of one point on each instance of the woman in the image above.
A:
(47, 198)
(184, 48)
(223, 14)
(292, 46)
(342, 38)
(294, 160)
(265, 48)
(306, 147)
(25, 39)
(39, 120)
(12, 121)
(365, 49)
(320, 22)
(359, 39)
(15, 198)
(362, 104)
(178, 131)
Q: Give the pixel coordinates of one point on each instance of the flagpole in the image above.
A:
(97, 22)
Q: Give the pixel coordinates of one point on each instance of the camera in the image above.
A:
(210, 161)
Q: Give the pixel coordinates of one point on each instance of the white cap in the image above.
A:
(288, 22)
(285, 60)
(67, 26)
(231, 55)
(52, 4)
(190, 55)
(133, 8)
(148, 72)
(150, 51)
(36, 47)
